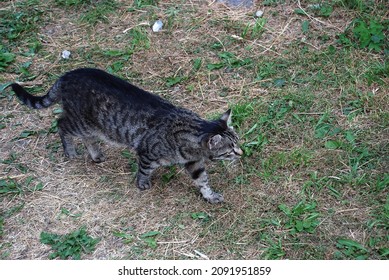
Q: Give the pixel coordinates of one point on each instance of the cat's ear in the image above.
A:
(214, 141)
(226, 117)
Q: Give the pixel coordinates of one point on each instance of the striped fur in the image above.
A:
(99, 106)
(36, 102)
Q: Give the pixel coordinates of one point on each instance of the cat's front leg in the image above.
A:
(143, 176)
(197, 171)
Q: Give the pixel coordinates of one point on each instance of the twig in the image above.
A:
(145, 23)
(201, 255)
(346, 210)
(173, 242)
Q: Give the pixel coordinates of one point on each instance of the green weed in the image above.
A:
(6, 58)
(253, 139)
(291, 160)
(171, 14)
(1, 225)
(32, 187)
(25, 134)
(381, 215)
(267, 70)
(257, 125)
(144, 3)
(172, 81)
(277, 110)
(139, 39)
(99, 12)
(359, 5)
(73, 3)
(131, 160)
(301, 218)
(228, 59)
(305, 26)
(325, 128)
(150, 238)
(350, 249)
(252, 31)
(71, 245)
(273, 2)
(121, 57)
(197, 63)
(242, 112)
(67, 212)
(378, 73)
(126, 237)
(315, 182)
(242, 179)
(381, 183)
(366, 34)
(274, 250)
(201, 216)
(379, 245)
(9, 186)
(11, 162)
(356, 104)
(169, 175)
(22, 22)
(322, 10)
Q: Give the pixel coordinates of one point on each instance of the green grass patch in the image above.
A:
(150, 238)
(22, 22)
(350, 249)
(71, 245)
(144, 3)
(6, 59)
(229, 60)
(366, 33)
(99, 11)
(303, 217)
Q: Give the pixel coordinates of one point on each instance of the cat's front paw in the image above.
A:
(215, 198)
(98, 158)
(143, 184)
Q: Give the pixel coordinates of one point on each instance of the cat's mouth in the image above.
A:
(233, 155)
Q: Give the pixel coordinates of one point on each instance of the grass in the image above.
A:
(70, 245)
(309, 99)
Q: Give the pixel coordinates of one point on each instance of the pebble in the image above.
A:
(65, 54)
(259, 13)
(157, 26)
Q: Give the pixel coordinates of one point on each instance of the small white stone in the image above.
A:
(157, 26)
(259, 13)
(315, 6)
(65, 54)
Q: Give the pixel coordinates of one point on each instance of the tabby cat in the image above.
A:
(100, 106)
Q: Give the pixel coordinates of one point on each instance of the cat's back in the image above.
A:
(88, 84)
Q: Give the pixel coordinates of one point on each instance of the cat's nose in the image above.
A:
(238, 151)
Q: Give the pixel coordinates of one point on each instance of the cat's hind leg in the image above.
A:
(93, 149)
(196, 169)
(66, 135)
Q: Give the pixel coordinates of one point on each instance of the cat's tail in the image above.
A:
(37, 102)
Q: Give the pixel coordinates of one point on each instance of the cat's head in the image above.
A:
(223, 143)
